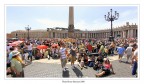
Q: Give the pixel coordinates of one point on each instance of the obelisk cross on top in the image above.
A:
(71, 23)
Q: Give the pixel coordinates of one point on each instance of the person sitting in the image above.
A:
(79, 58)
(81, 63)
(46, 54)
(34, 51)
(85, 60)
(98, 63)
(38, 55)
(106, 69)
(91, 62)
(17, 64)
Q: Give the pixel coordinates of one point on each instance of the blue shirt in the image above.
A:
(10, 55)
(120, 50)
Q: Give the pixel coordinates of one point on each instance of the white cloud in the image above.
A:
(13, 26)
(98, 25)
(95, 25)
(52, 23)
(127, 13)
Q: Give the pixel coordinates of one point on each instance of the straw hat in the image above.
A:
(14, 53)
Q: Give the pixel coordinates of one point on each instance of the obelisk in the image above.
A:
(71, 23)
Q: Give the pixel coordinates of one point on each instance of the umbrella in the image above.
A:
(15, 43)
(55, 45)
(42, 47)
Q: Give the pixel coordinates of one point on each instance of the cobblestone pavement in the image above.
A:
(45, 68)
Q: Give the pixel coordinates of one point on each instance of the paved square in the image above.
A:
(45, 68)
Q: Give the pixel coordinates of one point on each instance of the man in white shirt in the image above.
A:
(128, 52)
(29, 48)
(135, 60)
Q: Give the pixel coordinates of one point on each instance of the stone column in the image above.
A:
(130, 33)
(71, 23)
(123, 34)
(128, 36)
(134, 33)
(49, 34)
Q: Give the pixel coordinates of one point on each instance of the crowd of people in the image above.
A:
(88, 52)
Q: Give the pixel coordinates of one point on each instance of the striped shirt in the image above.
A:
(62, 52)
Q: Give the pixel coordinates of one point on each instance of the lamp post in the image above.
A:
(28, 29)
(16, 35)
(110, 17)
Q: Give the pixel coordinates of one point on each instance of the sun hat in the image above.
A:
(14, 53)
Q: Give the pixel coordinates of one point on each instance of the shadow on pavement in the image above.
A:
(78, 72)
(65, 74)
(125, 62)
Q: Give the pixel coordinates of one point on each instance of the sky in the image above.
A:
(85, 17)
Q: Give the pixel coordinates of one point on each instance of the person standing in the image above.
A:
(121, 51)
(101, 50)
(128, 52)
(112, 47)
(73, 55)
(62, 54)
(135, 60)
(29, 49)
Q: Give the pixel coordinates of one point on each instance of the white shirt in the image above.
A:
(62, 52)
(136, 52)
(129, 51)
(29, 47)
(56, 51)
(8, 48)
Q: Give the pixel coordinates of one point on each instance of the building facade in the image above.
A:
(125, 31)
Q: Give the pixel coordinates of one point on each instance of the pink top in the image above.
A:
(108, 66)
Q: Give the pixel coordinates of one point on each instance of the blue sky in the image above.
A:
(85, 17)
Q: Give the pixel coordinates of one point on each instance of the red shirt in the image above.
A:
(89, 47)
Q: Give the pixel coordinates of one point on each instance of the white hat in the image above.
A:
(14, 53)
(121, 45)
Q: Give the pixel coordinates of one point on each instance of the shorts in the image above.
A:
(63, 62)
(73, 58)
(120, 55)
(129, 56)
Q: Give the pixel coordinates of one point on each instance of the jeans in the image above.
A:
(30, 54)
(112, 51)
(134, 68)
(91, 63)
